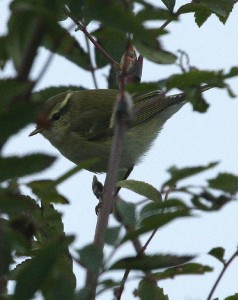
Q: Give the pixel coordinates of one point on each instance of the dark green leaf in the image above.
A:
(141, 188)
(3, 51)
(225, 182)
(91, 257)
(160, 208)
(112, 235)
(186, 269)
(148, 289)
(15, 166)
(15, 203)
(218, 253)
(5, 247)
(169, 4)
(41, 266)
(155, 222)
(221, 7)
(193, 7)
(179, 174)
(10, 89)
(151, 262)
(125, 212)
(154, 51)
(46, 191)
(152, 13)
(234, 297)
(49, 223)
(201, 17)
(113, 41)
(49, 92)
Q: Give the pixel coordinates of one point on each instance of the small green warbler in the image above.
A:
(80, 124)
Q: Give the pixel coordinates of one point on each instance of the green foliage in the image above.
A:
(147, 262)
(15, 167)
(142, 188)
(31, 228)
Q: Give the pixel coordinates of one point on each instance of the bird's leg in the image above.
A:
(97, 188)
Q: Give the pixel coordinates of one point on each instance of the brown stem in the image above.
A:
(88, 35)
(226, 265)
(108, 196)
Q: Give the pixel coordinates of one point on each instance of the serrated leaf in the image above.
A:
(14, 203)
(218, 253)
(177, 174)
(192, 7)
(16, 166)
(46, 191)
(43, 262)
(169, 4)
(186, 269)
(150, 262)
(141, 188)
(201, 17)
(225, 182)
(91, 257)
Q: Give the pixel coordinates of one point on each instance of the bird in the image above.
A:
(78, 124)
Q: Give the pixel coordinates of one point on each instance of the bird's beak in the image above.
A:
(37, 130)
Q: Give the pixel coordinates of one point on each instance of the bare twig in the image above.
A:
(92, 68)
(226, 265)
(88, 35)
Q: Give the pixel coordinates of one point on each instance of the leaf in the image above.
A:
(5, 247)
(125, 212)
(234, 297)
(112, 235)
(218, 253)
(186, 269)
(91, 257)
(154, 51)
(155, 222)
(179, 174)
(15, 203)
(193, 7)
(221, 7)
(49, 92)
(201, 17)
(169, 4)
(15, 166)
(3, 51)
(150, 262)
(46, 191)
(38, 270)
(141, 188)
(225, 182)
(148, 289)
(149, 12)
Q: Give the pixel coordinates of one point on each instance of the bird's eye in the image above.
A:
(56, 116)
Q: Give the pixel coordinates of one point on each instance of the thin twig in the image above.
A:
(108, 196)
(88, 35)
(226, 265)
(91, 63)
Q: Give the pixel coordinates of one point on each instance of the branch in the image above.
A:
(226, 265)
(88, 35)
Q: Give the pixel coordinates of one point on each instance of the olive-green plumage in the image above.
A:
(80, 124)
